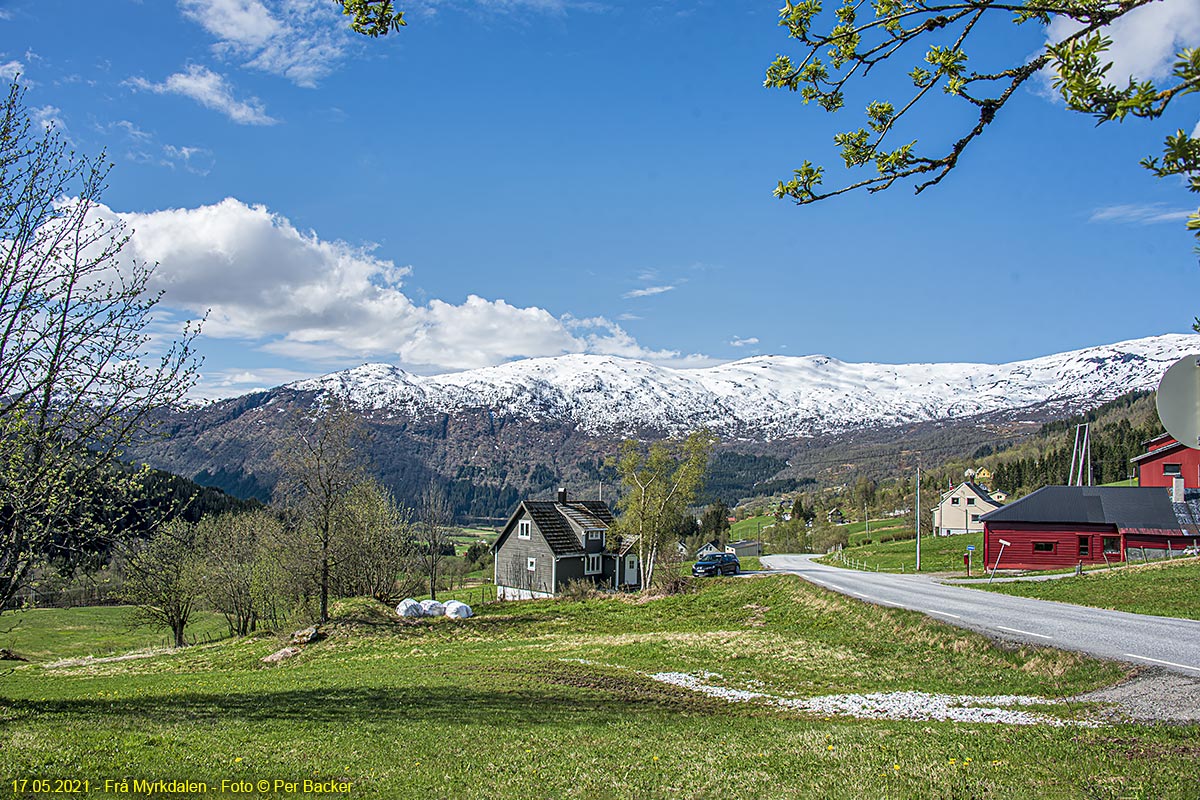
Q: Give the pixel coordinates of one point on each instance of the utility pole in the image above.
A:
(918, 518)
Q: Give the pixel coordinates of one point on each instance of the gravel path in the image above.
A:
(1151, 695)
(888, 705)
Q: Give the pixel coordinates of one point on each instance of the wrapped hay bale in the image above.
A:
(457, 610)
(432, 608)
(410, 608)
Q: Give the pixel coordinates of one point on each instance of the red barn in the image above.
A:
(1164, 460)
(1061, 526)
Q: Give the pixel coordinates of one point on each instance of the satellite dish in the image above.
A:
(1179, 401)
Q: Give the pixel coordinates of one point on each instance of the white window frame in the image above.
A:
(595, 536)
(524, 528)
(593, 564)
(531, 564)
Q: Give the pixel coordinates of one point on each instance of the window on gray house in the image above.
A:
(531, 564)
(523, 528)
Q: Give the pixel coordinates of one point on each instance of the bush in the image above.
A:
(577, 591)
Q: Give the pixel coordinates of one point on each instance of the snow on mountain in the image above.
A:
(766, 397)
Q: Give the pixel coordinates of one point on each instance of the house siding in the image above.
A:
(512, 560)
(1065, 537)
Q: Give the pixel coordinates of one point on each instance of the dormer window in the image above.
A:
(523, 529)
(595, 536)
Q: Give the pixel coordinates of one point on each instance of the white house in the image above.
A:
(960, 509)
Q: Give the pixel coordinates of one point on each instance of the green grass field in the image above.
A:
(554, 699)
(749, 528)
(43, 634)
(938, 554)
(1165, 589)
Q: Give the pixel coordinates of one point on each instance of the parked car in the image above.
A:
(717, 564)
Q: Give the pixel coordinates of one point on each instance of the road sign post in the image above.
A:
(996, 566)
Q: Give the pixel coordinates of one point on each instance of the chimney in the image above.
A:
(1177, 489)
(562, 494)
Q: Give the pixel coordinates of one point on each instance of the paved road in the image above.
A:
(1173, 644)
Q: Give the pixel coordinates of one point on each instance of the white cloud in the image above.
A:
(49, 117)
(9, 70)
(1145, 40)
(211, 90)
(627, 317)
(294, 294)
(647, 292)
(233, 382)
(737, 341)
(301, 40)
(131, 130)
(197, 160)
(1142, 214)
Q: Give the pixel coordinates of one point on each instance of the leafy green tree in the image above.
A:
(80, 379)
(658, 484)
(163, 578)
(932, 41)
(372, 17)
(377, 543)
(241, 575)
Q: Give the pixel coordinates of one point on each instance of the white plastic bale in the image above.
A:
(432, 608)
(410, 608)
(457, 610)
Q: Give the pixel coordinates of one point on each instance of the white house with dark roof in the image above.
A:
(959, 509)
(547, 543)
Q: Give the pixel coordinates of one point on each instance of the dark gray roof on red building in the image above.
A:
(1126, 507)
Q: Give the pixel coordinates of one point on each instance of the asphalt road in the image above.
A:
(1173, 644)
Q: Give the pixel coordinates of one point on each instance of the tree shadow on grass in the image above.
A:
(541, 695)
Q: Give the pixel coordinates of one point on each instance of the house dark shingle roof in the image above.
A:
(1128, 508)
(554, 527)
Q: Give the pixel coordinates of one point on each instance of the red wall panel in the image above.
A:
(1065, 538)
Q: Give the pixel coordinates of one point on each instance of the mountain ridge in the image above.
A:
(763, 398)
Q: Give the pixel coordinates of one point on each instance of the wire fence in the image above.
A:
(70, 597)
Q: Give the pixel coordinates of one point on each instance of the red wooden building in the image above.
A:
(1164, 460)
(1061, 526)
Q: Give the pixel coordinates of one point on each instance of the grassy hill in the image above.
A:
(557, 699)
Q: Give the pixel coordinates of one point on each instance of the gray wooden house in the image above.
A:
(547, 543)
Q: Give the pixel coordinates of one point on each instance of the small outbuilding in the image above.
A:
(745, 548)
(1062, 526)
(1165, 460)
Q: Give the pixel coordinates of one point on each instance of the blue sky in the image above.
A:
(531, 177)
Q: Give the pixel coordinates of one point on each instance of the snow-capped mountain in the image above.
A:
(764, 398)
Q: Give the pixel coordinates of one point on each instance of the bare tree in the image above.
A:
(321, 465)
(80, 377)
(434, 520)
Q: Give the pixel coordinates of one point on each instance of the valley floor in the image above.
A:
(702, 695)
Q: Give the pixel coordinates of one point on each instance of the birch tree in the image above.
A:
(658, 484)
